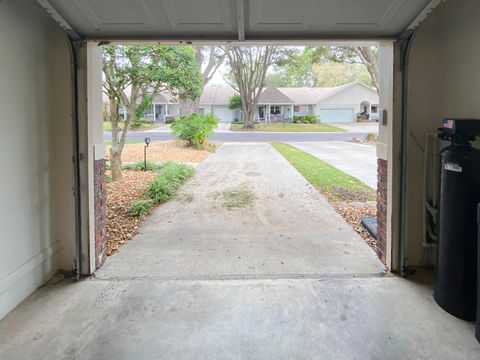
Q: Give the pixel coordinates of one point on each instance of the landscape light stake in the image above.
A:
(147, 142)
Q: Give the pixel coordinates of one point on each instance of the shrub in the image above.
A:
(168, 180)
(194, 128)
(137, 122)
(140, 166)
(310, 119)
(297, 119)
(141, 207)
(305, 119)
(371, 137)
(169, 119)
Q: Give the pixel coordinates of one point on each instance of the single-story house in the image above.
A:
(330, 104)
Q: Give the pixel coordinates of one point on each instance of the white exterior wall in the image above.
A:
(36, 201)
(348, 99)
(223, 113)
(444, 81)
(173, 109)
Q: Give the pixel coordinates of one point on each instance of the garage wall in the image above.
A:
(444, 81)
(36, 203)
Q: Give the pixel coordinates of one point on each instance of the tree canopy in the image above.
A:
(134, 74)
(326, 66)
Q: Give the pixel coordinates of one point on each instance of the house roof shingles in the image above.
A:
(270, 95)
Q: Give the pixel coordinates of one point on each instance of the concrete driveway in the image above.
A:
(357, 160)
(282, 278)
(289, 229)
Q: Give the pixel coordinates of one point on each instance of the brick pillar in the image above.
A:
(100, 194)
(382, 175)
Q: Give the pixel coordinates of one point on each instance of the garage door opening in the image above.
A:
(284, 197)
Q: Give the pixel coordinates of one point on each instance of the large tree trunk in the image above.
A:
(248, 116)
(115, 149)
(116, 163)
(119, 136)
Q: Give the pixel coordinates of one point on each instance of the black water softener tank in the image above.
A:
(477, 328)
(455, 288)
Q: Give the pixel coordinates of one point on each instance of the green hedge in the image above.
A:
(305, 119)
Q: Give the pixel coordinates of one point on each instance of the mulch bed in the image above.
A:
(160, 151)
(353, 214)
(120, 225)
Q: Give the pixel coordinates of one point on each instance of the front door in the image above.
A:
(261, 113)
(158, 112)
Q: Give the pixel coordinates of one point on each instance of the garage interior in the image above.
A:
(50, 65)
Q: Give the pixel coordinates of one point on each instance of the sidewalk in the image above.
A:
(362, 127)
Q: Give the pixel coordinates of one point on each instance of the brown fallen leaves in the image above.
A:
(164, 151)
(353, 214)
(120, 225)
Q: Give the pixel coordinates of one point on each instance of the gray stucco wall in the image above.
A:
(36, 207)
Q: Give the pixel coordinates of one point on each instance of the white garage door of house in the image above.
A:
(223, 113)
(336, 115)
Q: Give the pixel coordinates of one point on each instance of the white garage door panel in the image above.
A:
(223, 113)
(336, 115)
(232, 20)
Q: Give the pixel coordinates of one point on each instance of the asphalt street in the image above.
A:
(250, 136)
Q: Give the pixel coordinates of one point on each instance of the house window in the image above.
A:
(300, 108)
(201, 110)
(275, 110)
(374, 109)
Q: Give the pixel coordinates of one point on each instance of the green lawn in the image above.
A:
(288, 127)
(333, 183)
(107, 126)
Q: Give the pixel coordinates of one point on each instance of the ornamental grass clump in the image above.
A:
(168, 180)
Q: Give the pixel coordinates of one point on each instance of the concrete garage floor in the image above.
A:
(324, 318)
(204, 282)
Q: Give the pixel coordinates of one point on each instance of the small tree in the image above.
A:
(134, 75)
(249, 65)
